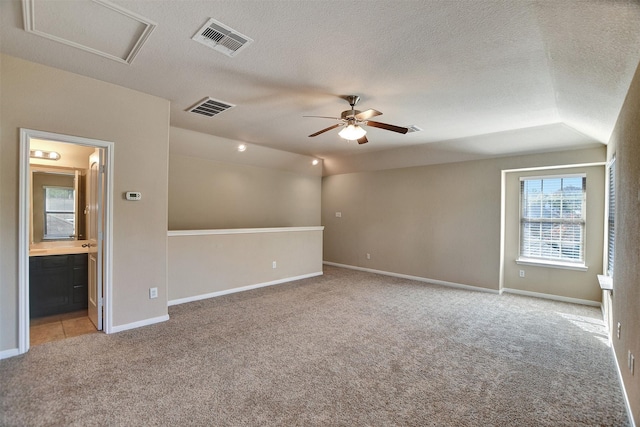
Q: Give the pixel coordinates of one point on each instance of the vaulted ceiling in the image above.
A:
(492, 76)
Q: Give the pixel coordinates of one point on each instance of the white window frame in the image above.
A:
(49, 236)
(553, 262)
(610, 218)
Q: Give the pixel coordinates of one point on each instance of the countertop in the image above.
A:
(58, 248)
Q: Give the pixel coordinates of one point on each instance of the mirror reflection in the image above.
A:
(57, 205)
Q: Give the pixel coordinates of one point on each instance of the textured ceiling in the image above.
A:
(458, 69)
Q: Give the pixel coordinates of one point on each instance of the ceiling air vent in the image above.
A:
(219, 37)
(210, 107)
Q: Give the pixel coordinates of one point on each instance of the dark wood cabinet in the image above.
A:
(57, 284)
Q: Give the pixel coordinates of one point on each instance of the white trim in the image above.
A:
(139, 324)
(23, 243)
(5, 354)
(503, 228)
(29, 19)
(547, 168)
(107, 241)
(551, 264)
(627, 404)
(242, 289)
(23, 226)
(416, 278)
(175, 233)
(552, 297)
(539, 177)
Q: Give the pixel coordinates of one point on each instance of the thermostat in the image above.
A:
(133, 195)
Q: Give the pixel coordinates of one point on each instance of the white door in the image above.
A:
(94, 237)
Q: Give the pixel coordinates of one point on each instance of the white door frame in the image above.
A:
(24, 223)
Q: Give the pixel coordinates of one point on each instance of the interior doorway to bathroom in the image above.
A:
(65, 236)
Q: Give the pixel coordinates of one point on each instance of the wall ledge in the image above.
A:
(175, 233)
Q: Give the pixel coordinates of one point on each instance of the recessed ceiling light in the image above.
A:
(242, 147)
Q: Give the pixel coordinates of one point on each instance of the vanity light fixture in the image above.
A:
(242, 147)
(315, 162)
(44, 155)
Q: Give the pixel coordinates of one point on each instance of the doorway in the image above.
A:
(82, 252)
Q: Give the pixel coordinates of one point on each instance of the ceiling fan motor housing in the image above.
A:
(348, 114)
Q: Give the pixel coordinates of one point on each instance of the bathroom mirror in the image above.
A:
(57, 204)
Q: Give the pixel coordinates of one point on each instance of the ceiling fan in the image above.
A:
(354, 120)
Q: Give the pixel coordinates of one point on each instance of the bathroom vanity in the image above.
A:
(57, 283)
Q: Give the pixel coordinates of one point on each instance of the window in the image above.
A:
(611, 217)
(552, 221)
(59, 213)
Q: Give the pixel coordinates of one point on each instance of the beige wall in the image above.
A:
(556, 281)
(439, 222)
(210, 194)
(224, 261)
(625, 144)
(48, 99)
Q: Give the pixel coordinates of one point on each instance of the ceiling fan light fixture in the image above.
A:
(352, 132)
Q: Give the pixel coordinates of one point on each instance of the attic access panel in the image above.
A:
(96, 26)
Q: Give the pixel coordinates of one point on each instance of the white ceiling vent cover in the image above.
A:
(219, 37)
(210, 107)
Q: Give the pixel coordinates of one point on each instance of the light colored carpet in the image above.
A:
(345, 349)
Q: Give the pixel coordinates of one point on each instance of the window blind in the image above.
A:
(611, 218)
(553, 218)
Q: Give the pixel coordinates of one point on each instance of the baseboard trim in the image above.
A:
(139, 324)
(416, 278)
(551, 297)
(12, 352)
(627, 404)
(241, 289)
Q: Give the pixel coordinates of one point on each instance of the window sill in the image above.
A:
(552, 264)
(606, 282)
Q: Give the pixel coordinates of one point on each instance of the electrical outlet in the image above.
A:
(153, 293)
(368, 256)
(618, 330)
(273, 265)
(521, 273)
(338, 214)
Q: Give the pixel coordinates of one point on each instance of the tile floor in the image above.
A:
(61, 326)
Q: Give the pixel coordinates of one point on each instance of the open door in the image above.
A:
(95, 186)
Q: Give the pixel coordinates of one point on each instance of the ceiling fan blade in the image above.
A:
(387, 127)
(325, 130)
(325, 117)
(367, 114)
(363, 140)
